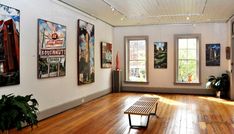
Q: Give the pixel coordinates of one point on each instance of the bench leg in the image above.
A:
(134, 126)
(129, 118)
(156, 107)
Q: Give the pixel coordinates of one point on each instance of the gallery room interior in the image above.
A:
(108, 66)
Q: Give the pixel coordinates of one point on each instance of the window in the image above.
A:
(136, 62)
(187, 59)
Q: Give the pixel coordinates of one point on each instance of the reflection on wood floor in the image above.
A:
(178, 114)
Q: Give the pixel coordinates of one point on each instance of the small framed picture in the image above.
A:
(233, 28)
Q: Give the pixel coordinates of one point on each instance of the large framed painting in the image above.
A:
(86, 39)
(51, 49)
(213, 54)
(106, 55)
(160, 54)
(9, 46)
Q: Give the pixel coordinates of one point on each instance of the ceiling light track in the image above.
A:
(203, 10)
(115, 10)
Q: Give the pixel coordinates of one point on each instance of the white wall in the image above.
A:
(164, 78)
(52, 92)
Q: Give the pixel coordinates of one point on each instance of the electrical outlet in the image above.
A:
(82, 100)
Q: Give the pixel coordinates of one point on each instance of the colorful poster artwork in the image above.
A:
(9, 46)
(51, 49)
(86, 41)
(106, 55)
(160, 54)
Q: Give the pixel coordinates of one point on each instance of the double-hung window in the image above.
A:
(136, 59)
(187, 58)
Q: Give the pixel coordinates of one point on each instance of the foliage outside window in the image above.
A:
(187, 59)
(136, 59)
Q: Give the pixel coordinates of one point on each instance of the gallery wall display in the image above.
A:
(213, 54)
(9, 46)
(86, 40)
(106, 55)
(160, 54)
(228, 53)
(51, 49)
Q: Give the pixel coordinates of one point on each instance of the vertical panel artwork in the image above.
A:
(51, 49)
(160, 54)
(106, 55)
(213, 54)
(86, 70)
(9, 46)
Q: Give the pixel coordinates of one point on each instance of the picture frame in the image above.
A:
(85, 52)
(9, 46)
(213, 54)
(106, 55)
(232, 28)
(160, 55)
(228, 53)
(51, 59)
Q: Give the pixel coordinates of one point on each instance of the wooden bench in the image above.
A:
(145, 106)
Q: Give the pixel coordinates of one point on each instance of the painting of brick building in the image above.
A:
(9, 46)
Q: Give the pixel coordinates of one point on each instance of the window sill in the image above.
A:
(187, 83)
(137, 82)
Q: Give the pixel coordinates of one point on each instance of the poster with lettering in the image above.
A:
(51, 49)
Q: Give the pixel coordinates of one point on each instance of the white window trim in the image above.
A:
(176, 37)
(126, 59)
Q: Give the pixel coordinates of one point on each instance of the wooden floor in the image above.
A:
(178, 114)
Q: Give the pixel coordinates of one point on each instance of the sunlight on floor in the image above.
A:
(218, 100)
(166, 100)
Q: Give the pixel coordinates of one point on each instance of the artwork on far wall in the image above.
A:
(51, 49)
(213, 54)
(86, 40)
(106, 55)
(9, 46)
(160, 54)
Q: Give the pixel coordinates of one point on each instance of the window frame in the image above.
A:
(176, 40)
(127, 39)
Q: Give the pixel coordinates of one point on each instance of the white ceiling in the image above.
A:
(147, 12)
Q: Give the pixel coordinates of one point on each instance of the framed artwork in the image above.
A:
(106, 55)
(232, 28)
(9, 46)
(160, 54)
(86, 40)
(228, 53)
(51, 49)
(213, 54)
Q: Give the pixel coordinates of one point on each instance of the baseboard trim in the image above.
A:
(169, 90)
(66, 106)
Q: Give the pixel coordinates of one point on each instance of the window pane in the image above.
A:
(183, 54)
(137, 71)
(141, 50)
(188, 60)
(182, 44)
(136, 59)
(182, 70)
(192, 43)
(192, 54)
(133, 50)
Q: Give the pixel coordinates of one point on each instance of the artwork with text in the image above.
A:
(51, 49)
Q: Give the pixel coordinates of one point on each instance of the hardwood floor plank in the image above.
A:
(178, 114)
